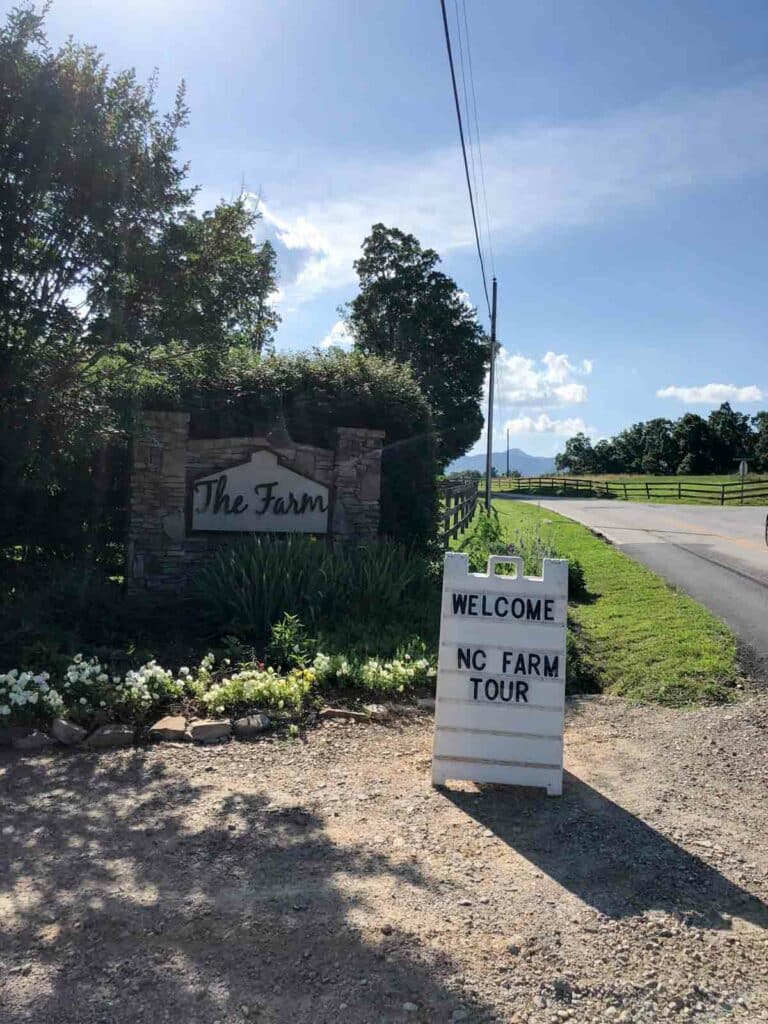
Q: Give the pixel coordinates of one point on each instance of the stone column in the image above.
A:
(157, 526)
(357, 483)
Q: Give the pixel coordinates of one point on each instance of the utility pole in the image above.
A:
(507, 453)
(489, 420)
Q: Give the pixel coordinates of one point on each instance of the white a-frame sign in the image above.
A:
(501, 675)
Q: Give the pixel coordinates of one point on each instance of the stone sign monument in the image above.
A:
(190, 495)
(501, 675)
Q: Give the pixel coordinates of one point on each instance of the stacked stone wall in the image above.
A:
(164, 553)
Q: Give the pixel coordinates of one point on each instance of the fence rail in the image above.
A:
(719, 493)
(458, 501)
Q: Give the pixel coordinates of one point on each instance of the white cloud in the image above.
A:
(542, 424)
(522, 382)
(338, 336)
(713, 394)
(541, 178)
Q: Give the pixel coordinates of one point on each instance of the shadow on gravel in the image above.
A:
(131, 894)
(608, 857)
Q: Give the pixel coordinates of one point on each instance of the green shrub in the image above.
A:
(27, 698)
(377, 676)
(532, 543)
(484, 538)
(258, 688)
(319, 392)
(290, 645)
(251, 585)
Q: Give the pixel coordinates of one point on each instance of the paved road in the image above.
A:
(717, 555)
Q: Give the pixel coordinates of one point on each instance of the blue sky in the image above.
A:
(626, 161)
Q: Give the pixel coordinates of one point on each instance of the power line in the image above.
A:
(467, 115)
(477, 137)
(464, 152)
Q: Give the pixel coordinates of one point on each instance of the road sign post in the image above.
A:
(743, 470)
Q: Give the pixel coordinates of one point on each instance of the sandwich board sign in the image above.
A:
(501, 675)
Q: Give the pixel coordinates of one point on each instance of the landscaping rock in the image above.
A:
(208, 730)
(426, 703)
(352, 716)
(32, 740)
(377, 712)
(110, 736)
(172, 727)
(403, 709)
(67, 732)
(252, 725)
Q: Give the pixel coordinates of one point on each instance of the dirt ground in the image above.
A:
(324, 880)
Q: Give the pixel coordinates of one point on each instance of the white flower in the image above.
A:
(83, 700)
(4, 709)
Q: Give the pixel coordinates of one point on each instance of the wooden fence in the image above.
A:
(458, 501)
(719, 493)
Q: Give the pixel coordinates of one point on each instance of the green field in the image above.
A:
(676, 490)
(638, 638)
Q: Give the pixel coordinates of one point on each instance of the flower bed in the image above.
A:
(88, 694)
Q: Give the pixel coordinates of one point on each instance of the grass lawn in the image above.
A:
(639, 638)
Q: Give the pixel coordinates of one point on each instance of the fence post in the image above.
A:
(679, 489)
(647, 492)
(722, 494)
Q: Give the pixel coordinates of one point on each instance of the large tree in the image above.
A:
(760, 445)
(659, 450)
(731, 438)
(410, 311)
(108, 276)
(693, 440)
(578, 457)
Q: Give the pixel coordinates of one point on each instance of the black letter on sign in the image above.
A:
(239, 505)
(208, 485)
(220, 499)
(313, 503)
(551, 668)
(467, 658)
(268, 498)
(475, 680)
(459, 604)
(521, 691)
(549, 610)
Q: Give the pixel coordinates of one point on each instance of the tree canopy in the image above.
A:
(109, 278)
(410, 311)
(688, 445)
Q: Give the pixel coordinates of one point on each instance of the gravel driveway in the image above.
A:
(325, 880)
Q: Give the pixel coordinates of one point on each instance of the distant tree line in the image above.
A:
(689, 445)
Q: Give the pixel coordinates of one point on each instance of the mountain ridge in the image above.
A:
(525, 464)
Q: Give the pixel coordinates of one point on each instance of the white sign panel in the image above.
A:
(743, 468)
(501, 675)
(260, 495)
